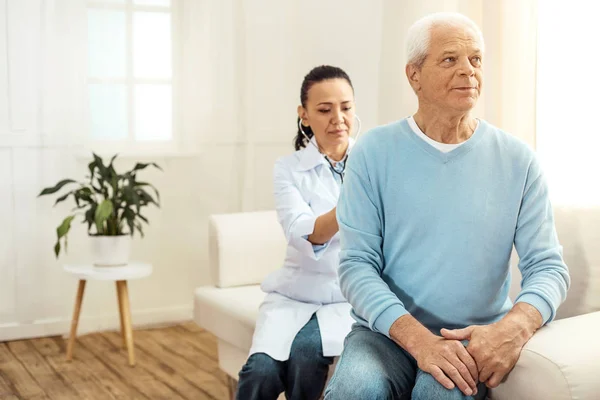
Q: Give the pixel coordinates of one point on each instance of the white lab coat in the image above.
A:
(304, 188)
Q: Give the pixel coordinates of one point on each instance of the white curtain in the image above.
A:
(64, 73)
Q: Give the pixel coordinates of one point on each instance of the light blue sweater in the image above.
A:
(431, 233)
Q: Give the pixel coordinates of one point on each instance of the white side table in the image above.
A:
(121, 275)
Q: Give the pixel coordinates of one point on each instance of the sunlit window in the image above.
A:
(568, 100)
(130, 71)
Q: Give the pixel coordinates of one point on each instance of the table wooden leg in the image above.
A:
(75, 319)
(126, 316)
(121, 315)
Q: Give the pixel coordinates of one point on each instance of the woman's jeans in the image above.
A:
(302, 376)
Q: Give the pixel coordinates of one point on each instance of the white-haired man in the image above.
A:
(430, 209)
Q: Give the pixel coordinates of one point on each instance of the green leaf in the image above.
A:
(56, 188)
(145, 197)
(84, 194)
(92, 168)
(64, 227)
(101, 168)
(61, 232)
(114, 182)
(139, 228)
(140, 184)
(98, 161)
(103, 211)
(112, 160)
(97, 189)
(63, 198)
(140, 166)
(89, 216)
(129, 216)
(131, 198)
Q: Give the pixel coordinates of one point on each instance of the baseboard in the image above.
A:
(89, 324)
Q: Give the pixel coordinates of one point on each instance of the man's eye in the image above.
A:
(449, 59)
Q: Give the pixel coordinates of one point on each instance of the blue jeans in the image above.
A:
(302, 376)
(374, 367)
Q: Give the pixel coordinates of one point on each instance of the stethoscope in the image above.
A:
(338, 171)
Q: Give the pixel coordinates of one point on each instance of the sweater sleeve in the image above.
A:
(545, 277)
(361, 257)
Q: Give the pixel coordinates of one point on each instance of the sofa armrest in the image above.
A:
(244, 247)
(561, 361)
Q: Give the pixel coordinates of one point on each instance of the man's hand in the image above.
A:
(496, 348)
(446, 360)
(449, 363)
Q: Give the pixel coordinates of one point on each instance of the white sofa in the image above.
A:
(562, 361)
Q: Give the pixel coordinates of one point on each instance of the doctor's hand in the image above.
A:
(496, 348)
(449, 363)
(325, 227)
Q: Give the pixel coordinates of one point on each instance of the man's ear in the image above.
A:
(303, 115)
(414, 75)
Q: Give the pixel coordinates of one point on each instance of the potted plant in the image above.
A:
(110, 204)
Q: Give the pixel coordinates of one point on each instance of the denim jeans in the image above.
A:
(374, 367)
(302, 376)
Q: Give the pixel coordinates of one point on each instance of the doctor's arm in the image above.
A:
(307, 232)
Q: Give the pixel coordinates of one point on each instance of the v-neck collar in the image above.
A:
(451, 155)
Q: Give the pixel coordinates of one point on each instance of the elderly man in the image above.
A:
(430, 209)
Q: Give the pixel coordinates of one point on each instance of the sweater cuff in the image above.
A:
(386, 319)
(539, 303)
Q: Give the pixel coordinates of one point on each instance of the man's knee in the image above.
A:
(364, 370)
(358, 386)
(426, 387)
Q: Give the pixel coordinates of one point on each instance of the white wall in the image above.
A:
(242, 65)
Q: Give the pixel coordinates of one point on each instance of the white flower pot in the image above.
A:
(110, 251)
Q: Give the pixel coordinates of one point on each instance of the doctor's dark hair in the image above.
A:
(316, 75)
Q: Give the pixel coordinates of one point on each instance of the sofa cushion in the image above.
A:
(559, 362)
(229, 313)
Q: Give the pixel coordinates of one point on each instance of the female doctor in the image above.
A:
(304, 318)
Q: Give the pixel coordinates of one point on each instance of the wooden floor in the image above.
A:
(177, 362)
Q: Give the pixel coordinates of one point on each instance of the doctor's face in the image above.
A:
(329, 112)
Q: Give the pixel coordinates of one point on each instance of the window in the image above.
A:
(130, 74)
(568, 104)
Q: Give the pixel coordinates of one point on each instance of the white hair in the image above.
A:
(419, 34)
